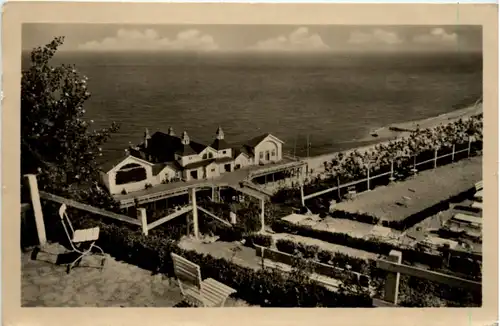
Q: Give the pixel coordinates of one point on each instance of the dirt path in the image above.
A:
(45, 284)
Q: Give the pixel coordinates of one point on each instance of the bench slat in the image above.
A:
(224, 288)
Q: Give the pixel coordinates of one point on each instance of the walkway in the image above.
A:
(162, 191)
(246, 257)
(46, 284)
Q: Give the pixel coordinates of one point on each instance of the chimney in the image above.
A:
(220, 133)
(146, 138)
(185, 138)
(171, 131)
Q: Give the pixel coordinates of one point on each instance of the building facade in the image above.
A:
(165, 157)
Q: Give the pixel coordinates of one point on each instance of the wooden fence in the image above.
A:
(391, 173)
(36, 196)
(394, 267)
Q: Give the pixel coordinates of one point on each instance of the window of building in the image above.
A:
(205, 156)
(273, 153)
(130, 173)
(223, 152)
(210, 155)
(213, 170)
(261, 155)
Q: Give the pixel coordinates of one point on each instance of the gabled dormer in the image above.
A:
(220, 145)
(186, 154)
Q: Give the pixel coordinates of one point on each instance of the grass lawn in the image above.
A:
(402, 199)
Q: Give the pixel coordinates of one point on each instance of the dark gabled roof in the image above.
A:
(256, 140)
(158, 167)
(108, 165)
(163, 147)
(186, 150)
(198, 164)
(220, 144)
(197, 147)
(224, 159)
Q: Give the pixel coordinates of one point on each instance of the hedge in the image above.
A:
(370, 245)
(336, 259)
(263, 287)
(359, 217)
(418, 217)
(263, 240)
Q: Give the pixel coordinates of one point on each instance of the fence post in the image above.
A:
(141, 215)
(338, 187)
(368, 178)
(37, 209)
(195, 212)
(262, 217)
(453, 153)
(392, 280)
(435, 157)
(414, 170)
(468, 149)
(302, 194)
(392, 171)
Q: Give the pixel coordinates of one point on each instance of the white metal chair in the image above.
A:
(78, 238)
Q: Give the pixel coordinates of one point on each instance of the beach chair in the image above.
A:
(201, 293)
(79, 238)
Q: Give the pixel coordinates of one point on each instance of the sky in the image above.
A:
(254, 38)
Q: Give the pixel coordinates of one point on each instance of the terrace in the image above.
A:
(44, 283)
(234, 178)
(399, 200)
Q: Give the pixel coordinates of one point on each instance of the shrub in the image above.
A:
(324, 256)
(263, 240)
(374, 246)
(360, 217)
(286, 246)
(308, 251)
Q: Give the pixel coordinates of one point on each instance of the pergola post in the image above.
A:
(37, 209)
(302, 194)
(142, 217)
(195, 212)
(262, 217)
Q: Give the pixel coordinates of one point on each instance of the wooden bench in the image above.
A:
(202, 293)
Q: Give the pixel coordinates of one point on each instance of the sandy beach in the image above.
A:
(394, 131)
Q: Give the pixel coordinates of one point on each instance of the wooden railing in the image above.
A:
(36, 207)
(394, 267)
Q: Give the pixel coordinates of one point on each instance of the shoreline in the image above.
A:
(392, 132)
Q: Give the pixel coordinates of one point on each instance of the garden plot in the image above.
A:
(397, 201)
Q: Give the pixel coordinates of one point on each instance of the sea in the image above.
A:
(328, 100)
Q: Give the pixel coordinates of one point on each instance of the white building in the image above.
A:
(163, 158)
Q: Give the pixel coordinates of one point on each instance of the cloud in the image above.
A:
(377, 36)
(299, 40)
(437, 36)
(131, 39)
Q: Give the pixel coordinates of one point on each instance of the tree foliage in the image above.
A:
(57, 143)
